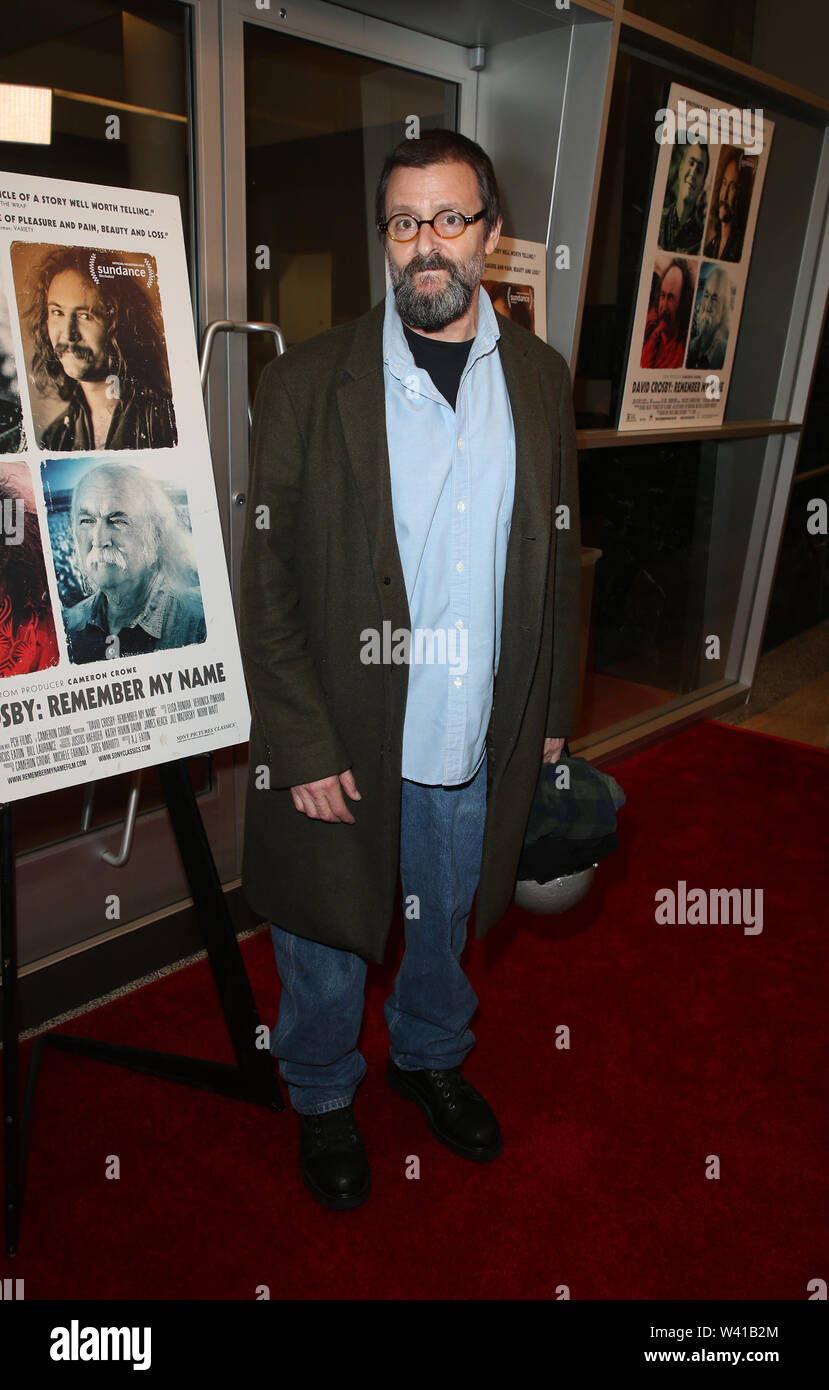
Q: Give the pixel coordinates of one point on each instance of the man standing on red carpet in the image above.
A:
(409, 626)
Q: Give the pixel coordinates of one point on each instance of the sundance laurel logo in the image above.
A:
(110, 268)
(76, 1343)
(709, 907)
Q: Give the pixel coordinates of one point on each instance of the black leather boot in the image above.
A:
(333, 1160)
(456, 1112)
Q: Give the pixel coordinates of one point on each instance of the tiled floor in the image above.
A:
(803, 717)
(790, 695)
(789, 698)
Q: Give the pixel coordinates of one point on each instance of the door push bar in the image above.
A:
(119, 859)
(242, 326)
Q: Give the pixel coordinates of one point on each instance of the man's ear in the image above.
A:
(493, 237)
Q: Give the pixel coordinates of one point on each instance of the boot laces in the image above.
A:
(335, 1127)
(452, 1084)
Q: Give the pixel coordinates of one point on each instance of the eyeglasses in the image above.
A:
(449, 223)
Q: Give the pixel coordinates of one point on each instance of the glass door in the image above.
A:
(121, 82)
(315, 97)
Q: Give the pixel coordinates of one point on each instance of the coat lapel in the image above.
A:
(362, 405)
(531, 532)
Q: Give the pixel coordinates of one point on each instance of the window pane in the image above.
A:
(672, 523)
(318, 123)
(814, 445)
(800, 598)
(724, 24)
(102, 61)
(787, 40)
(640, 89)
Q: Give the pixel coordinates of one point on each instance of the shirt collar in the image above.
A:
(78, 399)
(151, 616)
(398, 355)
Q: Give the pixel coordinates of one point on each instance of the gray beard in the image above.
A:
(431, 311)
(705, 334)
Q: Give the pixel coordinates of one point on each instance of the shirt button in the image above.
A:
(461, 507)
(458, 681)
(460, 443)
(459, 566)
(459, 623)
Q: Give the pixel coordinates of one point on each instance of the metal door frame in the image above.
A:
(333, 27)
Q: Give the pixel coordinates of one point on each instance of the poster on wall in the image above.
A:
(118, 645)
(516, 281)
(706, 195)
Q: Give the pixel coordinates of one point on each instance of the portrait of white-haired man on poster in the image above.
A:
(712, 319)
(134, 559)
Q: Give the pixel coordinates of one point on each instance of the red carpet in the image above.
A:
(686, 1041)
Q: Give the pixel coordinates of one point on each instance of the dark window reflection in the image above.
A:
(800, 598)
(35, 829)
(648, 510)
(784, 37)
(672, 524)
(101, 59)
(631, 152)
(318, 123)
(814, 447)
(727, 25)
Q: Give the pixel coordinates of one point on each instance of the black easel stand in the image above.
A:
(253, 1078)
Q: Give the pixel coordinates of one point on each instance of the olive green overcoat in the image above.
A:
(320, 564)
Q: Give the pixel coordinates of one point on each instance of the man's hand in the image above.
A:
(323, 800)
(552, 750)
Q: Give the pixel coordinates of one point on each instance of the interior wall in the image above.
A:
(538, 119)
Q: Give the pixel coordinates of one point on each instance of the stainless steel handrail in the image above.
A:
(239, 326)
(119, 860)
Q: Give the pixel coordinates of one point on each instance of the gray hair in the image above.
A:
(165, 541)
(719, 275)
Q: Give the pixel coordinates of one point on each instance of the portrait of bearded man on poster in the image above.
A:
(669, 313)
(97, 345)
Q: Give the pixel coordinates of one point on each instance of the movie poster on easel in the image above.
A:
(706, 196)
(516, 281)
(118, 644)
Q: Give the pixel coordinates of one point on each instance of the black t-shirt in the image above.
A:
(444, 361)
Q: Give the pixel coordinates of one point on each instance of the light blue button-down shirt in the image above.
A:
(453, 485)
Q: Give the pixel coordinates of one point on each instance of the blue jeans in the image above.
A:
(428, 1011)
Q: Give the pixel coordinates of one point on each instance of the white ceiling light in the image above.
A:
(25, 114)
